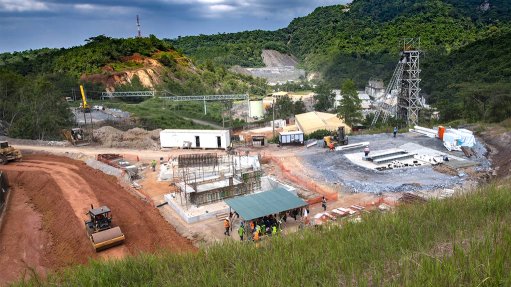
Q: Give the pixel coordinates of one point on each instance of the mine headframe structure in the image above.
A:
(402, 96)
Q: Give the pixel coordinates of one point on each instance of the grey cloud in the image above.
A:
(57, 23)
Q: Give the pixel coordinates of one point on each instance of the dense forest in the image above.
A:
(472, 83)
(362, 41)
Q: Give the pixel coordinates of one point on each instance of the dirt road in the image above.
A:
(44, 229)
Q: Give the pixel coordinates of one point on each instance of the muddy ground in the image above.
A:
(44, 224)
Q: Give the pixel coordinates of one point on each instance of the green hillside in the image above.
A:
(362, 30)
(362, 41)
(462, 241)
(472, 83)
(102, 63)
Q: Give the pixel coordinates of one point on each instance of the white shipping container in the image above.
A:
(217, 139)
(291, 138)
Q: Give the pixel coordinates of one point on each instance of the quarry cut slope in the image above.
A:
(272, 58)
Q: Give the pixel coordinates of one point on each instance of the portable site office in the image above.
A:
(291, 138)
(212, 139)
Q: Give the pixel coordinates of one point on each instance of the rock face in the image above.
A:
(149, 73)
(272, 58)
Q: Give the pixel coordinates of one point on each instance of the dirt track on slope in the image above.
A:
(500, 147)
(44, 229)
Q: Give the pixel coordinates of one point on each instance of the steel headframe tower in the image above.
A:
(409, 99)
(402, 95)
(139, 35)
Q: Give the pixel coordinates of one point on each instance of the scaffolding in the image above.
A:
(402, 96)
(206, 178)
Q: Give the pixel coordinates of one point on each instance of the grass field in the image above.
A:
(157, 113)
(462, 241)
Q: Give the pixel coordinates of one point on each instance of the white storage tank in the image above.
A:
(214, 139)
(256, 109)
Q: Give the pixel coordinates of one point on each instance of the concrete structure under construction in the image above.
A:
(203, 181)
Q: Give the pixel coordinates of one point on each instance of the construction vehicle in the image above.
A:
(75, 136)
(336, 138)
(102, 233)
(8, 153)
(84, 106)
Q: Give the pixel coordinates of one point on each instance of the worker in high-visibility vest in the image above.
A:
(274, 230)
(256, 236)
(241, 231)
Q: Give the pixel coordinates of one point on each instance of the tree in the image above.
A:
(299, 107)
(350, 105)
(45, 112)
(284, 107)
(324, 97)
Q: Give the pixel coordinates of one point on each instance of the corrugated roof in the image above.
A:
(265, 203)
(313, 121)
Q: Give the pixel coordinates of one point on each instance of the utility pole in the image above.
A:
(139, 35)
(273, 116)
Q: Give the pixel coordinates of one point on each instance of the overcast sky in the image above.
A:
(32, 24)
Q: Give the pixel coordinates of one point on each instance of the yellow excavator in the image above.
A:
(8, 153)
(84, 106)
(102, 233)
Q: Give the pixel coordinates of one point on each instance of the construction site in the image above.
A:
(126, 192)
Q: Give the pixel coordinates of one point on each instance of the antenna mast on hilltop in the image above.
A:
(138, 28)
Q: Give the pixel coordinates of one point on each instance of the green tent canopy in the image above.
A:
(265, 203)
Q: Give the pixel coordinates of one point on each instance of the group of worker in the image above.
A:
(267, 225)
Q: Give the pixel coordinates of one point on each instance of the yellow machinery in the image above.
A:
(337, 138)
(84, 106)
(102, 233)
(75, 136)
(8, 153)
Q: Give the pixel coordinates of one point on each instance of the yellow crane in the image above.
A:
(84, 106)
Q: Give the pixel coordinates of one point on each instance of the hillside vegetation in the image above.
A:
(462, 241)
(465, 45)
(474, 82)
(105, 63)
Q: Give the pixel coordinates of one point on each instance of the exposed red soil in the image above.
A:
(58, 191)
(22, 239)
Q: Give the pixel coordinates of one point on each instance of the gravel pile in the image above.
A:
(136, 138)
(335, 168)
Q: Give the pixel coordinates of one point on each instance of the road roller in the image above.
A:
(101, 232)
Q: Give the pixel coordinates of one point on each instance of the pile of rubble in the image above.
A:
(136, 138)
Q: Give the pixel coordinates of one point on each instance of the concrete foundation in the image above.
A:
(193, 213)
